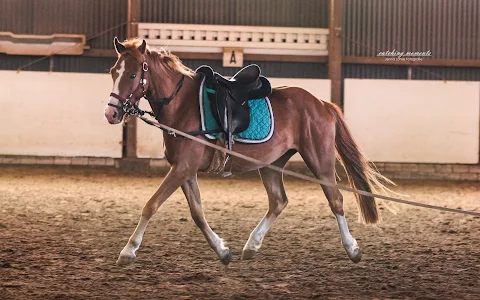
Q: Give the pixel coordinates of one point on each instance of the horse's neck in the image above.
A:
(163, 84)
(182, 110)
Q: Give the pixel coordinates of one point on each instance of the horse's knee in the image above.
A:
(280, 205)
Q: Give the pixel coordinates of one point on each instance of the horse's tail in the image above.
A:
(361, 174)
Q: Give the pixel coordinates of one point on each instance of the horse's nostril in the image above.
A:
(114, 114)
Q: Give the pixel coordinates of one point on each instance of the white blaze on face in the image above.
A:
(116, 84)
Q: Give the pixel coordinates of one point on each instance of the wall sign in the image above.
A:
(232, 57)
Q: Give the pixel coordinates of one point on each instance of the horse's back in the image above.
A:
(300, 100)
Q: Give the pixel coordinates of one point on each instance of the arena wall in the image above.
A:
(56, 114)
(415, 121)
(411, 128)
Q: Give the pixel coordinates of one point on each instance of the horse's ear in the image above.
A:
(142, 47)
(118, 46)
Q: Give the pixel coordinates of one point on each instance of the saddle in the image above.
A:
(229, 102)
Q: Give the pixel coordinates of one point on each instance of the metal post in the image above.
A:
(335, 51)
(130, 130)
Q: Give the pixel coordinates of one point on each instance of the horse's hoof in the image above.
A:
(125, 259)
(355, 255)
(248, 254)
(226, 258)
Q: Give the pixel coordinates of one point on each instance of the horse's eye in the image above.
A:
(132, 76)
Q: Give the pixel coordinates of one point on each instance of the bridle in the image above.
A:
(132, 108)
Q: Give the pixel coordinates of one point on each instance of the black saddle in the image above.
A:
(230, 102)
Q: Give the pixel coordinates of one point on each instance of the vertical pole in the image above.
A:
(335, 51)
(130, 130)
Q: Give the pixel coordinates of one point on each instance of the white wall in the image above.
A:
(57, 114)
(150, 139)
(413, 120)
(61, 114)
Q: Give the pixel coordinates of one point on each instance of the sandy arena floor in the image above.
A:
(62, 230)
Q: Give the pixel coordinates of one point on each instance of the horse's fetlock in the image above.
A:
(134, 244)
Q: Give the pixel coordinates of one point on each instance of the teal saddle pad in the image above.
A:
(261, 125)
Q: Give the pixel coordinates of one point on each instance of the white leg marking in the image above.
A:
(211, 236)
(219, 243)
(256, 237)
(348, 242)
(127, 255)
(215, 242)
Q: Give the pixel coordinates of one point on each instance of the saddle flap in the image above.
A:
(232, 95)
(259, 118)
(240, 113)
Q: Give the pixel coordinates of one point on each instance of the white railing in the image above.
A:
(253, 39)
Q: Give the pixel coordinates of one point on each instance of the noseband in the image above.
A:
(133, 109)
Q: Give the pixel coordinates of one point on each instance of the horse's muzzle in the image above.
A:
(112, 115)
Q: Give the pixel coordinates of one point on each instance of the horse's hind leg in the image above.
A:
(320, 159)
(192, 193)
(277, 200)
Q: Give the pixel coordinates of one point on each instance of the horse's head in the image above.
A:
(129, 79)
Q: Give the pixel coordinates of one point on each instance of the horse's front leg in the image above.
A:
(192, 193)
(174, 179)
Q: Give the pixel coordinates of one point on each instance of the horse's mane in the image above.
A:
(159, 57)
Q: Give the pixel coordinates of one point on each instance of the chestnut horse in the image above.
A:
(303, 123)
